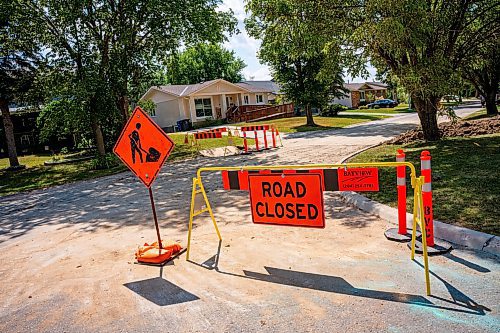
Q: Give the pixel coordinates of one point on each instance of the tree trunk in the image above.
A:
(9, 133)
(123, 105)
(309, 116)
(98, 137)
(427, 112)
(491, 107)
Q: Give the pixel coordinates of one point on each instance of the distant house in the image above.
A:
(362, 93)
(27, 133)
(211, 99)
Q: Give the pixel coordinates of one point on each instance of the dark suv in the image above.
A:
(383, 103)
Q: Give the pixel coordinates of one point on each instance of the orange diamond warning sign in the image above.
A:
(143, 146)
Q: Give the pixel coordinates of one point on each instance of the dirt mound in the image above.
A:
(462, 128)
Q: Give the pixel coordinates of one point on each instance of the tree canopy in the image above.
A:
(299, 61)
(102, 53)
(204, 62)
(424, 43)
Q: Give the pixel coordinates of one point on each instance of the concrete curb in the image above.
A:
(470, 239)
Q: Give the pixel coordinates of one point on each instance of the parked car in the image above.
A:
(383, 103)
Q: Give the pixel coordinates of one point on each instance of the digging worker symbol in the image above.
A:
(152, 155)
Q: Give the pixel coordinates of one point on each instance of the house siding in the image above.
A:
(345, 101)
(167, 113)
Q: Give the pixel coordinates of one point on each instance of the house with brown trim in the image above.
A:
(213, 99)
(362, 93)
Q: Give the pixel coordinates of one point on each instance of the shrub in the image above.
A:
(333, 110)
(363, 107)
(208, 122)
(376, 106)
(107, 161)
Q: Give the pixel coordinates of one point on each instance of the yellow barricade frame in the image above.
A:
(416, 183)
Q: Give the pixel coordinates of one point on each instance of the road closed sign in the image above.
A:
(287, 199)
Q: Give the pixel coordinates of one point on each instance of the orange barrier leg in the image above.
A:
(245, 143)
(274, 137)
(265, 140)
(256, 141)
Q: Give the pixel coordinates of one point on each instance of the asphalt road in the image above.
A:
(67, 263)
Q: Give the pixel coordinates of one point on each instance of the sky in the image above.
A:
(247, 47)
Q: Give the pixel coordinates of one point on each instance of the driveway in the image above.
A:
(67, 263)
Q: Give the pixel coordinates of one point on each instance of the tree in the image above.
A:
(291, 48)
(19, 56)
(204, 62)
(424, 43)
(107, 48)
(484, 73)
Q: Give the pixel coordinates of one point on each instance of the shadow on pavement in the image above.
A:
(458, 297)
(161, 292)
(467, 263)
(335, 284)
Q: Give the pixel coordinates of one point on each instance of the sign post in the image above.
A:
(143, 147)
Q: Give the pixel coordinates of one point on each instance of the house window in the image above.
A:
(203, 107)
(362, 95)
(245, 99)
(260, 98)
(25, 140)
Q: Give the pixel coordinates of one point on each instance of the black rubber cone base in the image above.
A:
(393, 235)
(440, 247)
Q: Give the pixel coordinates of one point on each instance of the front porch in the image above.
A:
(215, 106)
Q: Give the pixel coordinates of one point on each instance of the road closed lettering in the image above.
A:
(287, 199)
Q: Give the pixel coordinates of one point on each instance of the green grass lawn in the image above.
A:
(36, 175)
(297, 124)
(480, 114)
(466, 186)
(401, 108)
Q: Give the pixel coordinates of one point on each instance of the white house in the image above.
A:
(211, 99)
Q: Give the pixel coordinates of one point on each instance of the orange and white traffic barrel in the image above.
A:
(400, 234)
(425, 168)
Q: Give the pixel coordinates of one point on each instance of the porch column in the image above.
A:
(223, 105)
(192, 109)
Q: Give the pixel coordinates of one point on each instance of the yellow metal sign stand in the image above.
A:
(416, 183)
